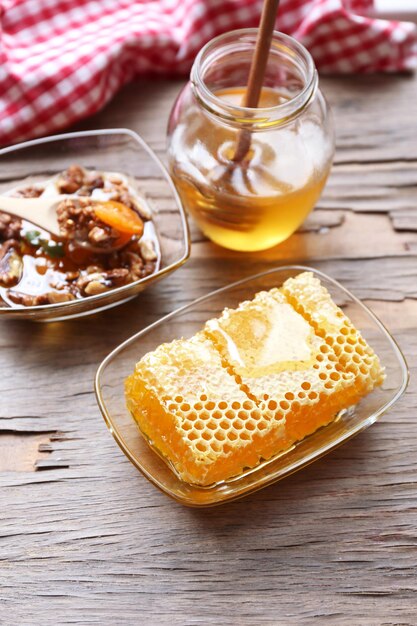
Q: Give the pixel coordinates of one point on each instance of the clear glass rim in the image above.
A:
(302, 462)
(125, 288)
(261, 115)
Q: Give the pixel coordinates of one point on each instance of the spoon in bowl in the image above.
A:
(42, 212)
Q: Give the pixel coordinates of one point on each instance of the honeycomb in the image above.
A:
(354, 355)
(195, 414)
(277, 358)
(252, 383)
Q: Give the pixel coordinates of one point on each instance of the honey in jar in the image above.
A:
(258, 201)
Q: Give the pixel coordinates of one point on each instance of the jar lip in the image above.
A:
(218, 105)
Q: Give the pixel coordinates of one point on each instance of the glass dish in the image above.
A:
(114, 150)
(185, 322)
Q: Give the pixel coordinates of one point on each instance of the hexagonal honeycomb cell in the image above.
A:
(281, 363)
(312, 300)
(195, 414)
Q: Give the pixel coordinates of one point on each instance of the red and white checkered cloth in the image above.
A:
(61, 60)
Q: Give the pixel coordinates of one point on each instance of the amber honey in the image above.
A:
(260, 201)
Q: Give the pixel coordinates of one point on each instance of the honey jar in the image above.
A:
(255, 201)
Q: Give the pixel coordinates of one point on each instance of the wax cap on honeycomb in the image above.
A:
(276, 354)
(190, 369)
(312, 300)
(264, 335)
(194, 411)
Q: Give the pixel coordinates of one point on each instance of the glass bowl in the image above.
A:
(115, 150)
(185, 322)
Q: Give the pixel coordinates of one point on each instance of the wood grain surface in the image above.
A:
(85, 539)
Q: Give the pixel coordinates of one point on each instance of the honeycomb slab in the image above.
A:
(195, 414)
(354, 355)
(252, 383)
(281, 363)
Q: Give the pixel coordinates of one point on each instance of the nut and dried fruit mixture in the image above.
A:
(107, 240)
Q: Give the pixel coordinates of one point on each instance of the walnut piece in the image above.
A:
(52, 297)
(10, 227)
(71, 180)
(99, 282)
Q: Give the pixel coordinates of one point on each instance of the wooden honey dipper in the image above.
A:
(257, 72)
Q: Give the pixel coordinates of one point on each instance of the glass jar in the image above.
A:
(254, 199)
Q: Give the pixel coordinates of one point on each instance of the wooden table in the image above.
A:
(85, 539)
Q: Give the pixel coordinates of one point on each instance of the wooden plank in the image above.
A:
(105, 539)
(372, 188)
(21, 453)
(405, 220)
(396, 315)
(85, 539)
(320, 221)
